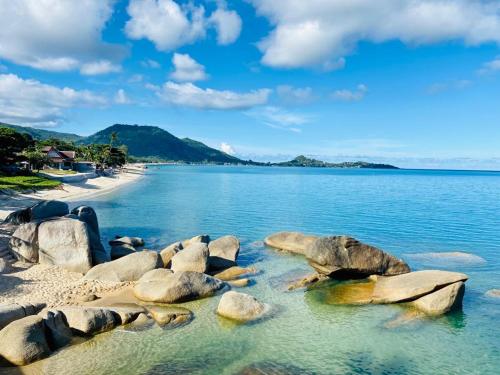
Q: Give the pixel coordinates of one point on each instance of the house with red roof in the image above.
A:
(59, 159)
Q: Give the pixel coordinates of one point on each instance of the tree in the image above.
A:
(36, 158)
(112, 139)
(12, 144)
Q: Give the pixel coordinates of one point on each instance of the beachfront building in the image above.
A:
(59, 159)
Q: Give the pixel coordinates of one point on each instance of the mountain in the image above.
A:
(302, 161)
(42, 134)
(153, 143)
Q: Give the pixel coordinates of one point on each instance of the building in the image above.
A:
(59, 159)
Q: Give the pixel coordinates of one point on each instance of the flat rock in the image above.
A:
(168, 253)
(234, 272)
(293, 242)
(129, 268)
(170, 315)
(23, 341)
(345, 257)
(240, 306)
(177, 287)
(89, 320)
(441, 301)
(192, 258)
(223, 252)
(410, 286)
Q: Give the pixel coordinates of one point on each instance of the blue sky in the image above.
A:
(414, 83)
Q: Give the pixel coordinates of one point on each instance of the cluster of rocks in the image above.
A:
(390, 279)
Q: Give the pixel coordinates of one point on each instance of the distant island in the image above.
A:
(151, 144)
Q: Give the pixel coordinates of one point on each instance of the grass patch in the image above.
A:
(58, 172)
(27, 182)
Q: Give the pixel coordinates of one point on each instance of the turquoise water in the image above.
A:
(404, 212)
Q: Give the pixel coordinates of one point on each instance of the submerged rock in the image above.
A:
(307, 281)
(223, 252)
(176, 287)
(441, 301)
(453, 258)
(129, 268)
(495, 293)
(240, 306)
(293, 242)
(234, 272)
(192, 258)
(170, 315)
(23, 341)
(168, 253)
(345, 257)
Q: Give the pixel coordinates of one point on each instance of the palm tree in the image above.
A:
(112, 139)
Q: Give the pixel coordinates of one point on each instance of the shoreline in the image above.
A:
(70, 192)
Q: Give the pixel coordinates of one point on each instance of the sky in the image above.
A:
(415, 83)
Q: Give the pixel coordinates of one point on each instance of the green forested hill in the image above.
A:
(42, 134)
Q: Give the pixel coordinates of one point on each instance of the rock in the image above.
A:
(223, 252)
(202, 238)
(89, 320)
(46, 209)
(119, 251)
(24, 242)
(164, 315)
(23, 341)
(307, 281)
(293, 242)
(58, 333)
(66, 243)
(410, 286)
(86, 298)
(192, 258)
(447, 259)
(132, 241)
(177, 287)
(345, 257)
(128, 268)
(240, 306)
(19, 217)
(88, 216)
(10, 312)
(239, 283)
(234, 272)
(127, 313)
(442, 300)
(158, 274)
(495, 293)
(5, 266)
(168, 253)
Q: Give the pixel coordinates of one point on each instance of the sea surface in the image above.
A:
(409, 213)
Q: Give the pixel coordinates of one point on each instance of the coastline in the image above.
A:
(69, 192)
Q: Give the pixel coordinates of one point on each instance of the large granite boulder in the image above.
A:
(223, 252)
(24, 242)
(131, 241)
(192, 258)
(240, 306)
(202, 238)
(120, 251)
(128, 268)
(66, 243)
(293, 242)
(18, 217)
(87, 321)
(57, 331)
(23, 341)
(410, 286)
(10, 312)
(441, 301)
(39, 211)
(5, 266)
(88, 216)
(345, 257)
(176, 287)
(168, 253)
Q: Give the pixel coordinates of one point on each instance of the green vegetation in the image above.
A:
(58, 172)
(27, 182)
(11, 144)
(302, 161)
(41, 134)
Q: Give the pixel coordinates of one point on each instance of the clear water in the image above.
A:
(403, 212)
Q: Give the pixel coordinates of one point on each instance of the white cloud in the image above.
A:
(295, 95)
(189, 95)
(228, 25)
(149, 63)
(121, 97)
(440, 87)
(136, 78)
(490, 66)
(30, 102)
(349, 95)
(170, 25)
(320, 32)
(227, 148)
(187, 69)
(279, 118)
(99, 67)
(55, 35)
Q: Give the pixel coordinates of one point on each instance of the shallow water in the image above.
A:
(403, 212)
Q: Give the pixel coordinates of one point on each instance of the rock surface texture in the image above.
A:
(240, 306)
(192, 258)
(223, 252)
(293, 242)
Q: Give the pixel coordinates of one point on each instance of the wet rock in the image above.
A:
(410, 286)
(132, 241)
(495, 293)
(307, 281)
(223, 252)
(164, 315)
(447, 259)
(345, 257)
(10, 312)
(239, 283)
(293, 242)
(240, 306)
(192, 258)
(441, 301)
(129, 268)
(234, 272)
(177, 287)
(23, 341)
(120, 251)
(168, 253)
